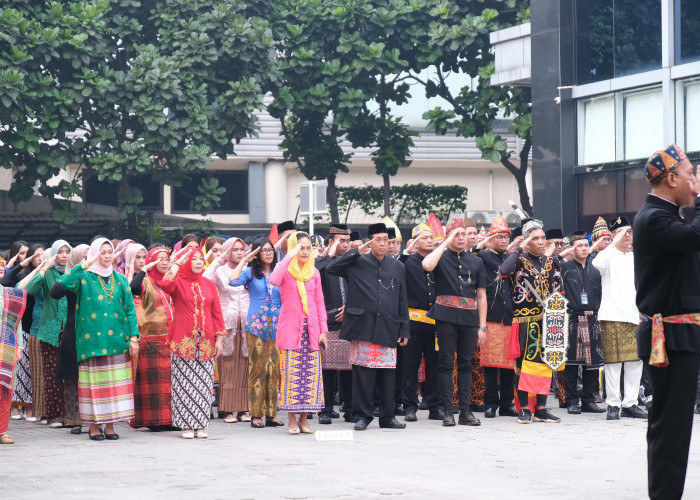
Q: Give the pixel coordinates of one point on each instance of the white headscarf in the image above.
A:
(97, 268)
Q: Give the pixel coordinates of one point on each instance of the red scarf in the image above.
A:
(154, 275)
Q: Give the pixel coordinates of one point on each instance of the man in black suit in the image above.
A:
(667, 273)
(375, 320)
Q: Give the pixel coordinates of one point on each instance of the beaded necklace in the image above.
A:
(109, 294)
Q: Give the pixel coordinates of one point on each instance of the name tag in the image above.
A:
(584, 299)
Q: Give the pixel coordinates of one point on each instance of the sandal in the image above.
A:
(188, 434)
(305, 429)
(243, 416)
(294, 430)
(231, 419)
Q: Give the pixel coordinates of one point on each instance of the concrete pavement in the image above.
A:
(581, 458)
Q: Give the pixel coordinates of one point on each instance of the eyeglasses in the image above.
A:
(267, 250)
(558, 243)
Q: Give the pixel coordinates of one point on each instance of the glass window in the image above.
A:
(687, 31)
(616, 38)
(233, 200)
(643, 123)
(687, 116)
(598, 193)
(107, 193)
(636, 189)
(596, 130)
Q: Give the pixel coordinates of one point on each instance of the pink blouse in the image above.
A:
(291, 319)
(234, 299)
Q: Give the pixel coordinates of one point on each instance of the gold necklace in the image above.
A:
(108, 294)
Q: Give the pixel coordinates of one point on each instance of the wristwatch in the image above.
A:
(484, 328)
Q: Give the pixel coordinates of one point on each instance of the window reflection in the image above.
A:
(687, 31)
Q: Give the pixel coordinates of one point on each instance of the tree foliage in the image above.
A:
(127, 90)
(411, 203)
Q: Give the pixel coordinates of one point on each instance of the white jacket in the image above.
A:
(618, 301)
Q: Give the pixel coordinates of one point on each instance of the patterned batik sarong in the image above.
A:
(233, 370)
(337, 353)
(23, 378)
(37, 374)
(371, 355)
(584, 341)
(193, 383)
(301, 386)
(619, 341)
(53, 388)
(263, 376)
(494, 351)
(71, 404)
(153, 388)
(105, 390)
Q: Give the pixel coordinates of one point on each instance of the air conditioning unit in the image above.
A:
(482, 217)
(512, 217)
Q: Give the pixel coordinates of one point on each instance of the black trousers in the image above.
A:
(670, 423)
(589, 378)
(421, 344)
(398, 374)
(498, 393)
(460, 340)
(364, 381)
(330, 387)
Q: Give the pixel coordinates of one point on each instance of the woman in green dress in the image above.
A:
(107, 336)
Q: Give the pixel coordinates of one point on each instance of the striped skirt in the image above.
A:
(233, 383)
(192, 392)
(105, 390)
(152, 390)
(37, 374)
(302, 383)
(23, 377)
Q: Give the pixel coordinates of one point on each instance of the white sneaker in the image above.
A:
(202, 434)
(32, 419)
(187, 434)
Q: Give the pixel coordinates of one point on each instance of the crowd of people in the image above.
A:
(458, 321)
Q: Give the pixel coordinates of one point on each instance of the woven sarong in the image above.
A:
(233, 383)
(584, 340)
(193, 385)
(619, 340)
(494, 352)
(105, 389)
(37, 374)
(301, 386)
(5, 404)
(372, 355)
(12, 304)
(152, 388)
(337, 353)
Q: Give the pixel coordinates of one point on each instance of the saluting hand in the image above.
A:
(365, 248)
(284, 238)
(150, 266)
(293, 251)
(12, 261)
(333, 250)
(483, 242)
(251, 255)
(47, 265)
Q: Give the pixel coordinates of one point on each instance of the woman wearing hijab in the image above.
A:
(53, 319)
(261, 331)
(233, 363)
(154, 311)
(67, 371)
(23, 373)
(195, 338)
(124, 245)
(107, 334)
(302, 328)
(134, 259)
(12, 304)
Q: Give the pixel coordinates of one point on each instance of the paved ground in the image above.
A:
(583, 457)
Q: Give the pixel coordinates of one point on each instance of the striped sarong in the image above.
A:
(105, 390)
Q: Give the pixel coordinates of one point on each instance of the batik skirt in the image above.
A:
(302, 383)
(153, 386)
(233, 378)
(53, 387)
(37, 375)
(619, 341)
(23, 377)
(105, 390)
(263, 376)
(192, 392)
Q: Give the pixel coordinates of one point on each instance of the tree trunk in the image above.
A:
(332, 197)
(387, 195)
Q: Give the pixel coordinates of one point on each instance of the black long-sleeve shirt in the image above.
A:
(498, 290)
(581, 282)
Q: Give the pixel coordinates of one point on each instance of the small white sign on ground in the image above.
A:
(344, 435)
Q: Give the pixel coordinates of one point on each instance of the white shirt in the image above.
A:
(618, 301)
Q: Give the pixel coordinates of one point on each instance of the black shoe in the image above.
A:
(392, 424)
(448, 420)
(398, 410)
(573, 409)
(324, 418)
(271, 423)
(508, 412)
(423, 406)
(375, 411)
(76, 430)
(309, 415)
(221, 415)
(477, 408)
(437, 414)
(410, 415)
(490, 413)
(112, 437)
(348, 417)
(613, 413)
(544, 415)
(257, 425)
(591, 408)
(525, 417)
(634, 411)
(97, 437)
(361, 424)
(334, 414)
(468, 418)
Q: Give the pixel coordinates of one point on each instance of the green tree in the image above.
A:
(456, 41)
(126, 90)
